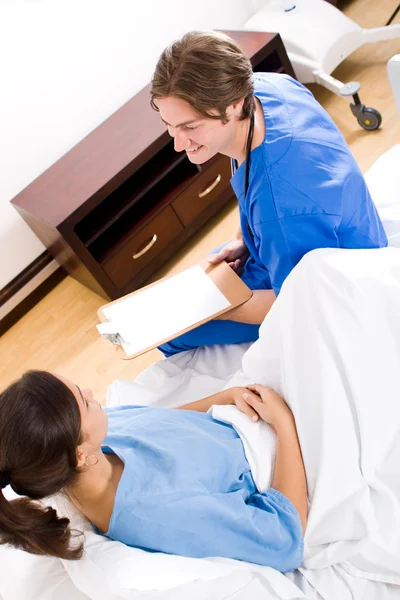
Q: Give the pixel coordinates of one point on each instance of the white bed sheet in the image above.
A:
(335, 352)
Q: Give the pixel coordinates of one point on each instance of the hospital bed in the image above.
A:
(113, 571)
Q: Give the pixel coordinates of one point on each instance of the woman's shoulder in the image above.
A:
(122, 419)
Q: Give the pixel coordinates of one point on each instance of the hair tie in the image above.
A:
(5, 479)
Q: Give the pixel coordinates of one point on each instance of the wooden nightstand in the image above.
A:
(122, 201)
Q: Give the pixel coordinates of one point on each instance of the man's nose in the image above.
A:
(181, 141)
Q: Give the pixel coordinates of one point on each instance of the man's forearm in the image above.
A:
(254, 310)
(289, 475)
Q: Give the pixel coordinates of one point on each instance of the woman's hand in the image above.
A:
(267, 404)
(255, 401)
(235, 253)
(244, 399)
(234, 395)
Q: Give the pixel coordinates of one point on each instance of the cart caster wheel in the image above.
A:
(369, 118)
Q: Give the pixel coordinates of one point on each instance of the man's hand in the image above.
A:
(235, 253)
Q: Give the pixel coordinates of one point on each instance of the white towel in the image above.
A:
(259, 441)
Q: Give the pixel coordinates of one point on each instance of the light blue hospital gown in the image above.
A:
(306, 191)
(187, 489)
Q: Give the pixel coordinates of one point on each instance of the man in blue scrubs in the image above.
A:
(297, 183)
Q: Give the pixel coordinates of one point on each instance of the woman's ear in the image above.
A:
(80, 457)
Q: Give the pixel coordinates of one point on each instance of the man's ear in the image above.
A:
(236, 109)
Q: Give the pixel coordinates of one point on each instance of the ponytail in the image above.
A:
(40, 430)
(27, 525)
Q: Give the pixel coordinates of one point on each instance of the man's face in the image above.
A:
(201, 137)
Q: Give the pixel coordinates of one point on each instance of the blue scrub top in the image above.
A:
(187, 489)
(305, 189)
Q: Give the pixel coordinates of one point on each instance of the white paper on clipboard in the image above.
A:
(161, 311)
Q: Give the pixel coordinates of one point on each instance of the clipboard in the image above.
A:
(225, 279)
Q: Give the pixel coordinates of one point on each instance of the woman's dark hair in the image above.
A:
(40, 430)
(208, 70)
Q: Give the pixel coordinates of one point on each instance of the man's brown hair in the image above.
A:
(208, 70)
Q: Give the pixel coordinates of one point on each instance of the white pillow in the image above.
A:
(383, 180)
(24, 576)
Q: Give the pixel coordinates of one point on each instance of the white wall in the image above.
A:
(66, 66)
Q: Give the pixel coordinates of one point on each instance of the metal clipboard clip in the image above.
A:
(108, 331)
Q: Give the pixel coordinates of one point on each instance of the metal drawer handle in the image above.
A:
(147, 247)
(210, 187)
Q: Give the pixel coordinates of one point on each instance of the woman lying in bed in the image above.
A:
(174, 481)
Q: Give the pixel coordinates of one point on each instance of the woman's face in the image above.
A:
(94, 420)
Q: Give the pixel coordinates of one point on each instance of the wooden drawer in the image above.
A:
(203, 191)
(143, 247)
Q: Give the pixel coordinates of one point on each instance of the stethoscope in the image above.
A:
(247, 164)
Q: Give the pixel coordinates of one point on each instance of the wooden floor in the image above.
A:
(59, 333)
